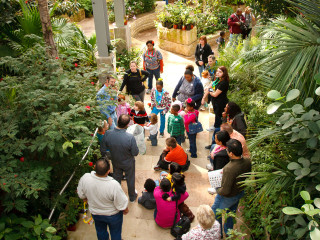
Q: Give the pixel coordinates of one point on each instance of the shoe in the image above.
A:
(133, 200)
(207, 147)
(161, 135)
(202, 109)
(212, 191)
(123, 178)
(194, 156)
(208, 157)
(148, 139)
(209, 167)
(211, 129)
(156, 168)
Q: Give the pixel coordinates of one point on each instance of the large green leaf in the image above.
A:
(291, 211)
(273, 94)
(305, 195)
(273, 107)
(315, 234)
(292, 94)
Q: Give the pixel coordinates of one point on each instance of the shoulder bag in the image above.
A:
(195, 127)
(182, 226)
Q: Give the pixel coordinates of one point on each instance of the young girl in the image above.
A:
(191, 117)
(138, 114)
(152, 127)
(205, 80)
(101, 130)
(123, 107)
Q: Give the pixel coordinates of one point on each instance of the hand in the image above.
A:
(173, 99)
(110, 121)
(126, 211)
(224, 114)
(200, 63)
(169, 199)
(202, 102)
(161, 71)
(152, 108)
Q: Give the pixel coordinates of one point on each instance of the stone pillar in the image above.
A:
(121, 31)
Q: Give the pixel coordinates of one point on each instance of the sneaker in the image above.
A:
(161, 135)
(209, 167)
(188, 150)
(202, 109)
(212, 191)
(207, 147)
(211, 129)
(157, 168)
(194, 156)
(133, 200)
(148, 139)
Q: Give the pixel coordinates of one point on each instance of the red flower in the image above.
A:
(76, 64)
(88, 108)
(149, 104)
(26, 1)
(4, 183)
(90, 164)
(57, 57)
(92, 83)
(22, 159)
(15, 175)
(1, 79)
(91, 134)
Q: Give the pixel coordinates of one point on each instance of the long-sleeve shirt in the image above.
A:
(165, 102)
(122, 145)
(230, 178)
(202, 53)
(190, 117)
(140, 117)
(123, 109)
(152, 128)
(134, 81)
(106, 99)
(152, 60)
(105, 195)
(147, 200)
(233, 21)
(238, 136)
(175, 125)
(198, 233)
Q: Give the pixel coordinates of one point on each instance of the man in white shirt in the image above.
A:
(106, 199)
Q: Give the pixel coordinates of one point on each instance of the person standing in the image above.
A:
(153, 63)
(106, 199)
(234, 22)
(160, 104)
(106, 99)
(231, 191)
(134, 79)
(249, 19)
(203, 51)
(176, 124)
(123, 149)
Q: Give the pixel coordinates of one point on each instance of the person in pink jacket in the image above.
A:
(191, 117)
(166, 210)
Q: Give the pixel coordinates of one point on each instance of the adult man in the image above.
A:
(238, 136)
(106, 99)
(123, 149)
(172, 153)
(107, 201)
(230, 192)
(234, 23)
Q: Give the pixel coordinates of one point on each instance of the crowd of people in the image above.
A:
(228, 154)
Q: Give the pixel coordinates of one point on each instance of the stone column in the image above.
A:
(121, 31)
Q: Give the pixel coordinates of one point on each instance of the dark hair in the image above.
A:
(176, 107)
(191, 104)
(235, 147)
(150, 41)
(174, 168)
(123, 120)
(233, 109)
(188, 72)
(190, 67)
(225, 76)
(165, 185)
(178, 179)
(149, 185)
(102, 166)
(222, 33)
(223, 137)
(160, 83)
(171, 142)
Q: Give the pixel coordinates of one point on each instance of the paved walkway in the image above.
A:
(139, 223)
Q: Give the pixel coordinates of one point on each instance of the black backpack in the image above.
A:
(181, 227)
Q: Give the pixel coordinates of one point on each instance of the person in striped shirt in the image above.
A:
(138, 114)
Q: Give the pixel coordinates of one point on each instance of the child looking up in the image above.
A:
(147, 199)
(191, 117)
(101, 130)
(138, 114)
(123, 107)
(176, 124)
(160, 103)
(152, 127)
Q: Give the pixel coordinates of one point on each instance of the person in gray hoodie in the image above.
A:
(147, 199)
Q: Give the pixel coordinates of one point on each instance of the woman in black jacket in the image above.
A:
(134, 79)
(232, 114)
(203, 51)
(219, 156)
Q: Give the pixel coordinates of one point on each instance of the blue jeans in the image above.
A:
(114, 120)
(162, 118)
(155, 73)
(154, 140)
(193, 144)
(201, 69)
(231, 203)
(178, 139)
(233, 40)
(114, 223)
(213, 137)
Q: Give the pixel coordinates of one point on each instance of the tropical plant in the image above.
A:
(124, 58)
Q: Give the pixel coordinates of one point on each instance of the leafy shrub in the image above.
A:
(87, 6)
(124, 59)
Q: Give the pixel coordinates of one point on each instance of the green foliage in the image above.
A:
(124, 58)
(269, 8)
(67, 7)
(14, 227)
(87, 6)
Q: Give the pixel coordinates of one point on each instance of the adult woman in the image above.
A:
(208, 227)
(189, 86)
(232, 114)
(134, 79)
(153, 63)
(212, 66)
(165, 210)
(218, 95)
(249, 18)
(202, 52)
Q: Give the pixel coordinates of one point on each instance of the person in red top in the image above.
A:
(234, 23)
(172, 153)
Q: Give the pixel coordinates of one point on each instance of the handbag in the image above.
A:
(195, 127)
(182, 226)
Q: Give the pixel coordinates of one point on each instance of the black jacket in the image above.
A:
(206, 52)
(133, 81)
(220, 159)
(239, 124)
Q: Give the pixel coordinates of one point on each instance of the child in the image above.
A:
(152, 127)
(221, 41)
(123, 107)
(101, 130)
(147, 199)
(191, 117)
(138, 114)
(205, 80)
(160, 103)
(176, 124)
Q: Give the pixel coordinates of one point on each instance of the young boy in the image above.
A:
(176, 124)
(221, 41)
(147, 199)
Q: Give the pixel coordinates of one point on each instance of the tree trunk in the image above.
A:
(47, 28)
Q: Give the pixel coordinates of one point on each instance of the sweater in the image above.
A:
(139, 118)
(175, 125)
(233, 20)
(220, 159)
(230, 179)
(147, 200)
(202, 54)
(190, 117)
(165, 102)
(198, 233)
(134, 81)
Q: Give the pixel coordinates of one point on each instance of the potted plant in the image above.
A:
(189, 24)
(184, 27)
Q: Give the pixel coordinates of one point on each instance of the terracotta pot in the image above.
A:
(175, 26)
(184, 27)
(188, 26)
(126, 22)
(191, 26)
(179, 26)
